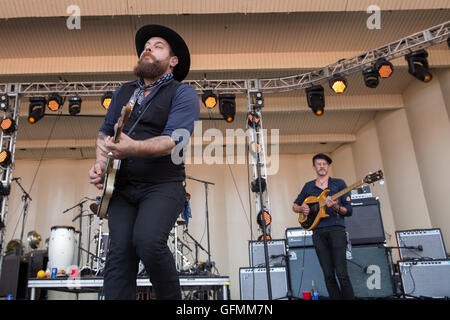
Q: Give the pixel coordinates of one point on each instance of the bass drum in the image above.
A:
(61, 248)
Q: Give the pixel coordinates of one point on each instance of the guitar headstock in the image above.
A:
(374, 177)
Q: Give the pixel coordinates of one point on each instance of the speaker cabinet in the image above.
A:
(365, 225)
(276, 250)
(253, 283)
(425, 278)
(368, 270)
(297, 237)
(430, 242)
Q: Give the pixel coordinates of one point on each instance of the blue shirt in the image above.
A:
(184, 111)
(334, 185)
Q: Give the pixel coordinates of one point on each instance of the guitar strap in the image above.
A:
(133, 98)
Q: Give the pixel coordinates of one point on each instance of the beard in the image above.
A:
(149, 70)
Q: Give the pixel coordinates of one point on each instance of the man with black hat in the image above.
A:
(149, 193)
(329, 237)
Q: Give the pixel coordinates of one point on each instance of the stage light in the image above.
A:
(261, 237)
(255, 185)
(227, 106)
(8, 125)
(338, 83)
(371, 78)
(259, 100)
(4, 102)
(209, 99)
(106, 100)
(316, 99)
(36, 109)
(418, 65)
(253, 119)
(5, 158)
(5, 189)
(264, 215)
(74, 105)
(55, 102)
(384, 68)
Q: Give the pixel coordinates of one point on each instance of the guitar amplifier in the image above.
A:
(253, 283)
(426, 243)
(425, 278)
(276, 251)
(297, 237)
(365, 226)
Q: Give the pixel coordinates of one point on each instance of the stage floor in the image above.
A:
(94, 284)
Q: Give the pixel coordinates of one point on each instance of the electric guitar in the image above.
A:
(112, 165)
(317, 205)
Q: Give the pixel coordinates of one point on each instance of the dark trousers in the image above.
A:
(140, 219)
(330, 244)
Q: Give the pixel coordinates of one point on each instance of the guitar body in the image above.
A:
(317, 212)
(108, 187)
(112, 166)
(318, 206)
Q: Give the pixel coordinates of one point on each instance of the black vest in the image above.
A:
(152, 123)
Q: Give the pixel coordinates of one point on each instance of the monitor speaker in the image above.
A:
(253, 283)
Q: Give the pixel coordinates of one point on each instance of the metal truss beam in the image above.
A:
(394, 50)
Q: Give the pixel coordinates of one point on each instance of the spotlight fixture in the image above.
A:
(338, 83)
(418, 65)
(5, 158)
(259, 100)
(4, 102)
(106, 100)
(227, 106)
(34, 239)
(54, 102)
(384, 68)
(209, 99)
(36, 109)
(74, 105)
(5, 189)
(253, 119)
(316, 99)
(261, 237)
(8, 125)
(371, 78)
(263, 214)
(255, 185)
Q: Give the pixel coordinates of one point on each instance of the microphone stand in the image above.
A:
(25, 198)
(80, 216)
(207, 214)
(197, 245)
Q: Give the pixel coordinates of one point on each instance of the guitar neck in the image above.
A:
(346, 190)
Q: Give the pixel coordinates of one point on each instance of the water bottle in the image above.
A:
(314, 292)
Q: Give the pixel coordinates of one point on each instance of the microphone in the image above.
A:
(16, 179)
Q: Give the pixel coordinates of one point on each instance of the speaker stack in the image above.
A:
(368, 263)
(253, 279)
(424, 266)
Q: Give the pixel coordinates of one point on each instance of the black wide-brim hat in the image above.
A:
(175, 41)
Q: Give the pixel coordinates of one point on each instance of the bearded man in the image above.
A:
(149, 193)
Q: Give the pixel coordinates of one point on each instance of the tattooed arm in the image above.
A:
(127, 147)
(97, 170)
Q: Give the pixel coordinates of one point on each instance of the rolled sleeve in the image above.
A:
(184, 112)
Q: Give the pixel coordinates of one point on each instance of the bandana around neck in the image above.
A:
(142, 87)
